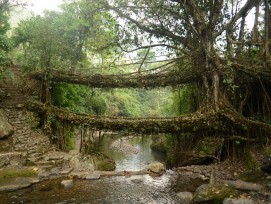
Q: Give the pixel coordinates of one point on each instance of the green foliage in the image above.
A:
(5, 44)
(67, 38)
(184, 100)
(267, 151)
(70, 141)
(98, 105)
(71, 97)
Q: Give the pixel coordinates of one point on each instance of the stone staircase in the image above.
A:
(14, 97)
(27, 147)
(24, 147)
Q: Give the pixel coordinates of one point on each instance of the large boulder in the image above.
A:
(214, 193)
(157, 168)
(14, 179)
(104, 163)
(6, 129)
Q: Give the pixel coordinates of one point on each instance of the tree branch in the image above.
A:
(242, 13)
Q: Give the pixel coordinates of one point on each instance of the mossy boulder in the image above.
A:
(214, 193)
(12, 173)
(14, 179)
(6, 129)
(104, 163)
(156, 168)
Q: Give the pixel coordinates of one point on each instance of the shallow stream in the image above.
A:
(133, 161)
(112, 190)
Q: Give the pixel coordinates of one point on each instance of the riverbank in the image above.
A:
(213, 181)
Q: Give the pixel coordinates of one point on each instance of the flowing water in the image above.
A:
(133, 161)
(112, 190)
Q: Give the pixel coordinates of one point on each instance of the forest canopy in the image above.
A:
(209, 54)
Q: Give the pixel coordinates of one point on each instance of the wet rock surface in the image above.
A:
(197, 179)
(185, 197)
(67, 183)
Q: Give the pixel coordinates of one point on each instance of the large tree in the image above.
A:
(66, 38)
(223, 66)
(211, 34)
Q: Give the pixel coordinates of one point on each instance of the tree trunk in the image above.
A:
(266, 41)
(216, 89)
(255, 34)
(241, 36)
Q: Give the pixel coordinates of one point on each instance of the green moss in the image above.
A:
(12, 173)
(104, 163)
(250, 160)
(215, 193)
(254, 175)
(208, 146)
(70, 143)
(267, 151)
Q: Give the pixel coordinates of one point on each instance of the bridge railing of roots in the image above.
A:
(225, 121)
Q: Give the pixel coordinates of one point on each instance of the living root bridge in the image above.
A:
(161, 79)
(212, 122)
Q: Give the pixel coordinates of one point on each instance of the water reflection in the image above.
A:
(132, 161)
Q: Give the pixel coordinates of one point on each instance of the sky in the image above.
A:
(37, 6)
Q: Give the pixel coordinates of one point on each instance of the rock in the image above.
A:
(14, 184)
(104, 163)
(6, 129)
(93, 176)
(213, 193)
(157, 168)
(243, 185)
(137, 181)
(78, 162)
(12, 159)
(238, 201)
(185, 197)
(266, 166)
(123, 145)
(19, 106)
(189, 181)
(67, 183)
(66, 171)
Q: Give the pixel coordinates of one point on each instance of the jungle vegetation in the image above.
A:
(213, 61)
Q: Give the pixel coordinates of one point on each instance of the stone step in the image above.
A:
(46, 167)
(46, 163)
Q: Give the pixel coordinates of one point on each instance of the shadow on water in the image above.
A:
(133, 161)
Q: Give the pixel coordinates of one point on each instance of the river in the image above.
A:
(111, 190)
(133, 161)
